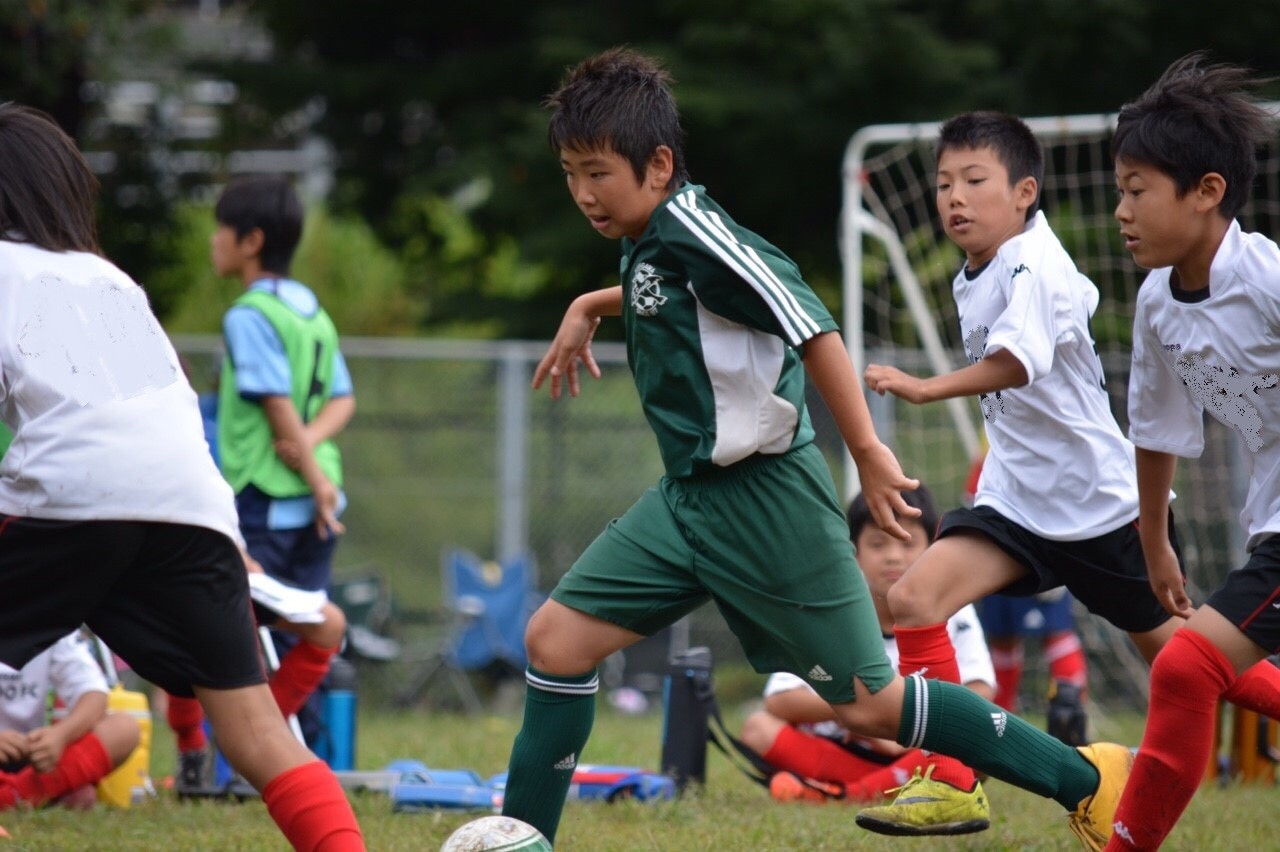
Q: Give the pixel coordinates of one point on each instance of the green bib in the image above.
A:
(245, 440)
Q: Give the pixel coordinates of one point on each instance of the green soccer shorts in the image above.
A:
(767, 541)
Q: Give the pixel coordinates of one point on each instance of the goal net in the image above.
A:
(898, 266)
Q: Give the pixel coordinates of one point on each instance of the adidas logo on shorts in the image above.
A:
(819, 673)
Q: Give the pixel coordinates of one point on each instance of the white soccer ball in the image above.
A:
(491, 833)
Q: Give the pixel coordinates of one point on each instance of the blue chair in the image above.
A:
(489, 603)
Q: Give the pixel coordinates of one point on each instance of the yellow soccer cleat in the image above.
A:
(927, 807)
(1091, 821)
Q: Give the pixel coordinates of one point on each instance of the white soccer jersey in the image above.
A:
(106, 426)
(1216, 350)
(972, 656)
(66, 667)
(1058, 464)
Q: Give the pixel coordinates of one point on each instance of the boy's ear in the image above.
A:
(1209, 191)
(252, 242)
(660, 169)
(1025, 192)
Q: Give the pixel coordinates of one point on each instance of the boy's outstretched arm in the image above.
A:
(573, 340)
(828, 365)
(1155, 478)
(286, 425)
(997, 371)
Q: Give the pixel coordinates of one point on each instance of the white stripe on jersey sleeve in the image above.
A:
(743, 260)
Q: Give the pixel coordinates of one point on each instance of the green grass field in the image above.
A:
(729, 813)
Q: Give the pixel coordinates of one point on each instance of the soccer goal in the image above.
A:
(897, 271)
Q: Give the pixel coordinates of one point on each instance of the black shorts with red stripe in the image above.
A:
(1250, 596)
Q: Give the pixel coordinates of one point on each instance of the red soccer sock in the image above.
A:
(816, 757)
(83, 762)
(927, 650)
(186, 718)
(300, 672)
(874, 785)
(312, 811)
(1187, 678)
(1066, 658)
(1008, 662)
(1258, 689)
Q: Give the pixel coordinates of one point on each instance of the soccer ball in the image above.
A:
(496, 833)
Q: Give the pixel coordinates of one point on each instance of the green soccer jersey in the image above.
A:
(715, 317)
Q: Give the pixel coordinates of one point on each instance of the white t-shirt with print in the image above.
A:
(106, 426)
(67, 667)
(972, 656)
(1058, 464)
(1215, 350)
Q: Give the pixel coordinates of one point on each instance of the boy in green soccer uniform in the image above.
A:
(720, 330)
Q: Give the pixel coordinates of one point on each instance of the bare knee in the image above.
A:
(119, 735)
(911, 605)
(760, 729)
(563, 641)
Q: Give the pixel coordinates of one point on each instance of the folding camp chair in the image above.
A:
(489, 604)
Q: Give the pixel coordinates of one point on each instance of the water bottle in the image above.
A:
(339, 715)
(686, 714)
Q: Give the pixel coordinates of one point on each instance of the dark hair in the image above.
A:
(859, 514)
(1015, 146)
(46, 187)
(1197, 119)
(621, 101)
(269, 203)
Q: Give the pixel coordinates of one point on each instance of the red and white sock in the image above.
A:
(1008, 661)
(1065, 655)
(1188, 677)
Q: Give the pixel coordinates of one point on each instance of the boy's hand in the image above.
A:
(47, 746)
(882, 378)
(571, 345)
(326, 497)
(14, 747)
(883, 483)
(1167, 581)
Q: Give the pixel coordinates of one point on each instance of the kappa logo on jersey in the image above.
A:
(646, 291)
(975, 346)
(1225, 393)
(1022, 267)
(819, 673)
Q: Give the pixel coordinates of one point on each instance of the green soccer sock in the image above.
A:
(953, 720)
(558, 714)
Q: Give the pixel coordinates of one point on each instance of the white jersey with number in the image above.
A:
(1215, 350)
(106, 426)
(66, 667)
(1058, 464)
(972, 656)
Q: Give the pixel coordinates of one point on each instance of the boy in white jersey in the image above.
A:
(1057, 500)
(721, 330)
(797, 733)
(40, 762)
(1204, 339)
(112, 513)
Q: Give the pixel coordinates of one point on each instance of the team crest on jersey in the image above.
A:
(975, 345)
(1225, 393)
(646, 291)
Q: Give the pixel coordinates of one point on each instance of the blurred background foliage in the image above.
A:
(447, 214)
